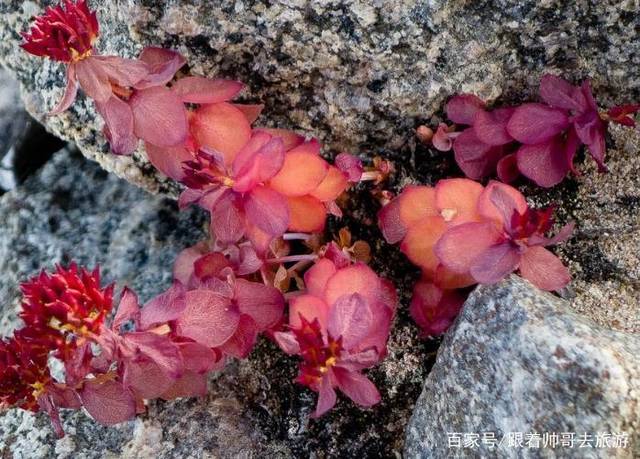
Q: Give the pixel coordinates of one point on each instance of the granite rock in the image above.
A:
(519, 360)
(358, 74)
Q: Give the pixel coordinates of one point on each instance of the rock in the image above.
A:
(72, 209)
(25, 145)
(519, 360)
(358, 74)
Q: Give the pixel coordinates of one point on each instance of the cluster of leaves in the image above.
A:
(537, 140)
(268, 192)
(460, 233)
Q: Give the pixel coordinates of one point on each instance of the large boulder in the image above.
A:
(356, 73)
(519, 363)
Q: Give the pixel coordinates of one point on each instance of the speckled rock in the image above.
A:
(73, 209)
(520, 361)
(359, 74)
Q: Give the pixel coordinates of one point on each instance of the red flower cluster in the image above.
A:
(461, 233)
(537, 140)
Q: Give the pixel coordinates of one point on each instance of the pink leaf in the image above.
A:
(326, 397)
(163, 308)
(93, 81)
(242, 341)
(491, 127)
(360, 360)
(262, 166)
(487, 207)
(268, 210)
(197, 357)
(358, 278)
(317, 276)
(460, 245)
(544, 163)
(357, 387)
(252, 112)
(350, 317)
(290, 138)
(495, 263)
(208, 318)
(128, 309)
(474, 157)
(434, 309)
(168, 160)
(162, 64)
(70, 92)
(183, 264)
(199, 90)
(146, 379)
(227, 222)
(189, 385)
(543, 269)
(262, 302)
(558, 92)
(536, 123)
(108, 402)
(159, 116)
(159, 349)
(441, 139)
(287, 342)
(119, 126)
(507, 168)
(462, 108)
(309, 307)
(350, 165)
(390, 223)
(123, 72)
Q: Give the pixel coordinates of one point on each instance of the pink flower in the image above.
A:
(510, 236)
(339, 327)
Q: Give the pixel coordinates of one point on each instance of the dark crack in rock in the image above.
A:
(519, 360)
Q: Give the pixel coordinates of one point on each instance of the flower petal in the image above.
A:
(350, 317)
(462, 108)
(221, 127)
(159, 117)
(119, 125)
(544, 163)
(491, 127)
(487, 207)
(418, 244)
(358, 278)
(317, 276)
(536, 123)
(357, 387)
(70, 92)
(168, 160)
(310, 307)
(332, 186)
(108, 402)
(558, 92)
(307, 214)
(460, 245)
(456, 200)
(543, 269)
(200, 90)
(268, 210)
(208, 318)
(302, 171)
(162, 64)
(495, 263)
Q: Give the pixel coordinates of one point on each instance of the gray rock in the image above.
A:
(359, 74)
(519, 360)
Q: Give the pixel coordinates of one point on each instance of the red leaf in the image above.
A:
(491, 127)
(543, 269)
(460, 245)
(495, 263)
(263, 303)
(162, 64)
(350, 317)
(544, 163)
(268, 210)
(159, 116)
(536, 123)
(559, 93)
(462, 108)
(208, 318)
(357, 387)
(108, 402)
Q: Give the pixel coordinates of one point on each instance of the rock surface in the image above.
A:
(72, 209)
(359, 74)
(518, 360)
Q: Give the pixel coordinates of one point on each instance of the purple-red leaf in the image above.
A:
(536, 123)
(159, 116)
(462, 108)
(544, 163)
(108, 402)
(491, 127)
